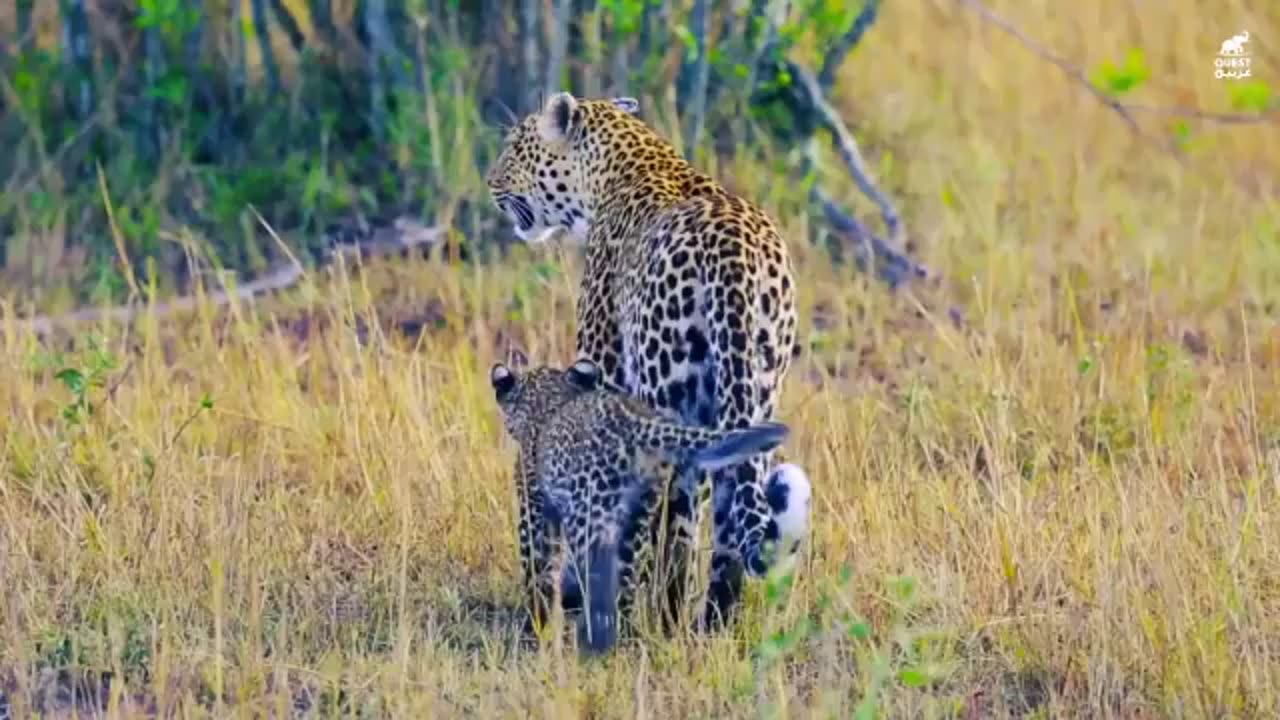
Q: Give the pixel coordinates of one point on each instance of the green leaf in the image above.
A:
(171, 88)
(1124, 78)
(886, 164)
(866, 710)
(1251, 95)
(1084, 365)
(546, 271)
(73, 379)
(206, 402)
(903, 588)
(859, 630)
(1182, 134)
(913, 678)
(948, 196)
(775, 589)
(690, 42)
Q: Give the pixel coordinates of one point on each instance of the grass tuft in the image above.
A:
(1063, 508)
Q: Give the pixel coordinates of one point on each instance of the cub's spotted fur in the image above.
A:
(586, 470)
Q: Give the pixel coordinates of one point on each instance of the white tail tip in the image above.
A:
(791, 482)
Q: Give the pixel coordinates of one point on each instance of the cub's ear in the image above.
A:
(560, 118)
(628, 105)
(584, 374)
(517, 359)
(503, 381)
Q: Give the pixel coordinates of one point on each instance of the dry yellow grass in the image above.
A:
(1082, 486)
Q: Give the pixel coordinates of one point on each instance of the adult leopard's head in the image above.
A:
(535, 180)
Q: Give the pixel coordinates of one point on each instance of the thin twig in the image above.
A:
(110, 392)
(1076, 73)
(1197, 113)
(280, 243)
(847, 42)
(117, 237)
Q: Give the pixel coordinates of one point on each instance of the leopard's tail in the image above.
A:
(710, 449)
(704, 448)
(735, 446)
(598, 626)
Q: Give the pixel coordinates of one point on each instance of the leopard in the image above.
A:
(687, 300)
(586, 465)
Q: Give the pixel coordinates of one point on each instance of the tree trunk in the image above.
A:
(530, 51)
(263, 32)
(77, 45)
(558, 44)
(694, 76)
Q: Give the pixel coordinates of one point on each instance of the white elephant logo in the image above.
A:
(1234, 45)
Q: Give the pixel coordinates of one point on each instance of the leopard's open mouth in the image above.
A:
(518, 209)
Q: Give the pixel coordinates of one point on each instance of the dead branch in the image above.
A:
(870, 252)
(847, 42)
(807, 104)
(847, 147)
(804, 98)
(404, 234)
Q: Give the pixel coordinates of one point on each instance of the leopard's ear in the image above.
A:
(517, 359)
(561, 117)
(628, 105)
(503, 381)
(585, 375)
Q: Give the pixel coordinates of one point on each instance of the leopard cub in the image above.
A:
(586, 467)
